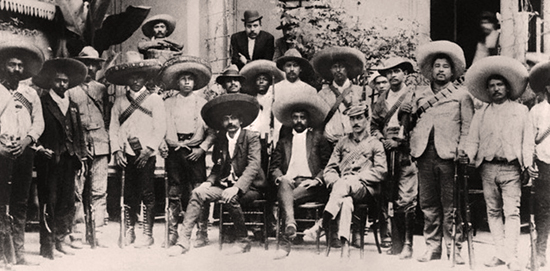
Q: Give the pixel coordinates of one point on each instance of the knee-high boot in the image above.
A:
(398, 233)
(130, 220)
(407, 251)
(148, 220)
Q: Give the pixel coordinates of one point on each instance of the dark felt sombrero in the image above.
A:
(426, 53)
(242, 105)
(539, 76)
(74, 69)
(120, 73)
(261, 66)
(353, 59)
(169, 21)
(294, 55)
(174, 67)
(32, 56)
(316, 107)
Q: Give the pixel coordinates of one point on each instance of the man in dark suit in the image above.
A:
(61, 150)
(298, 161)
(252, 43)
(236, 177)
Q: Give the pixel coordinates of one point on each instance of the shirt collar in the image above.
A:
(300, 134)
(346, 84)
(58, 98)
(361, 138)
(136, 94)
(237, 134)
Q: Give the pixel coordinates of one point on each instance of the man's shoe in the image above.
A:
(430, 255)
(238, 248)
(386, 243)
(335, 242)
(76, 244)
(406, 253)
(356, 240)
(514, 266)
(62, 248)
(201, 242)
(298, 240)
(176, 250)
(290, 231)
(458, 259)
(281, 254)
(130, 237)
(494, 262)
(146, 242)
(311, 233)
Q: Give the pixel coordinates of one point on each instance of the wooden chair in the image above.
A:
(315, 207)
(258, 209)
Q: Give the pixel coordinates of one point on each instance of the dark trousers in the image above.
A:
(19, 173)
(56, 195)
(290, 193)
(139, 186)
(542, 206)
(183, 175)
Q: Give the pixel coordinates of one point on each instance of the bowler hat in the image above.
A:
(236, 104)
(251, 16)
(74, 69)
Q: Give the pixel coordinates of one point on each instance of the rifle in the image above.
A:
(8, 248)
(454, 216)
(532, 227)
(392, 183)
(89, 210)
(167, 214)
(466, 224)
(122, 232)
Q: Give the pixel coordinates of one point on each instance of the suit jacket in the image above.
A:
(264, 48)
(62, 132)
(318, 154)
(245, 162)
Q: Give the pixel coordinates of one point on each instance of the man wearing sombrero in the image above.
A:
(538, 143)
(298, 161)
(187, 136)
(441, 116)
(157, 29)
(231, 80)
(497, 144)
(21, 124)
(291, 38)
(337, 65)
(385, 126)
(62, 149)
(137, 128)
(90, 96)
(252, 43)
(236, 177)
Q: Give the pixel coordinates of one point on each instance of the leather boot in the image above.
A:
(202, 228)
(148, 220)
(397, 233)
(173, 223)
(407, 251)
(130, 220)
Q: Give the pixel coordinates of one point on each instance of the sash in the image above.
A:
(339, 99)
(24, 101)
(134, 105)
(542, 136)
(441, 95)
(394, 108)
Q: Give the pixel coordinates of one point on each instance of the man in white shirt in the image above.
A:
(138, 126)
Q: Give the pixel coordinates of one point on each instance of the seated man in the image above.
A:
(355, 169)
(298, 161)
(236, 176)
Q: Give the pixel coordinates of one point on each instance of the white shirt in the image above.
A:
(262, 123)
(298, 166)
(232, 142)
(16, 120)
(537, 124)
(345, 85)
(63, 103)
(251, 43)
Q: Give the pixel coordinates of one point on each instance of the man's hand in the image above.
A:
(163, 150)
(143, 157)
(307, 184)
(205, 185)
(533, 172)
(389, 144)
(21, 146)
(242, 58)
(120, 159)
(229, 193)
(462, 158)
(5, 151)
(195, 154)
(47, 152)
(406, 108)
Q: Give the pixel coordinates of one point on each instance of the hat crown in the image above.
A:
(293, 53)
(251, 16)
(357, 109)
(133, 56)
(89, 51)
(232, 70)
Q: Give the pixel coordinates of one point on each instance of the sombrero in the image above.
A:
(393, 62)
(171, 70)
(353, 59)
(74, 69)
(119, 74)
(515, 73)
(261, 66)
(169, 21)
(426, 53)
(243, 105)
(316, 107)
(88, 53)
(230, 72)
(539, 76)
(32, 56)
(293, 54)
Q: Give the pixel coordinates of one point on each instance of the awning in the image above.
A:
(35, 8)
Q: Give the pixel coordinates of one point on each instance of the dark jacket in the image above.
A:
(318, 154)
(246, 161)
(264, 48)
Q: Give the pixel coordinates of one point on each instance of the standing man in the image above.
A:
(138, 126)
(21, 124)
(231, 80)
(292, 38)
(379, 84)
(90, 97)
(187, 136)
(252, 43)
(236, 177)
(338, 65)
(497, 143)
(298, 161)
(62, 151)
(353, 173)
(402, 189)
(538, 143)
(442, 114)
(157, 45)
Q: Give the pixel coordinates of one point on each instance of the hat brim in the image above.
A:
(353, 59)
(32, 56)
(89, 58)
(514, 72)
(394, 62)
(120, 73)
(221, 78)
(307, 69)
(243, 105)
(315, 106)
(74, 69)
(427, 52)
(538, 77)
(253, 19)
(261, 66)
(172, 69)
(169, 21)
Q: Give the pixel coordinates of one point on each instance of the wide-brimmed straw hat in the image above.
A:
(32, 56)
(169, 21)
(426, 53)
(353, 59)
(251, 16)
(120, 73)
(315, 106)
(88, 53)
(294, 55)
(392, 62)
(539, 76)
(174, 67)
(242, 105)
(74, 69)
(230, 72)
(261, 66)
(515, 73)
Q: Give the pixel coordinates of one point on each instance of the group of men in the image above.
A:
(272, 136)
